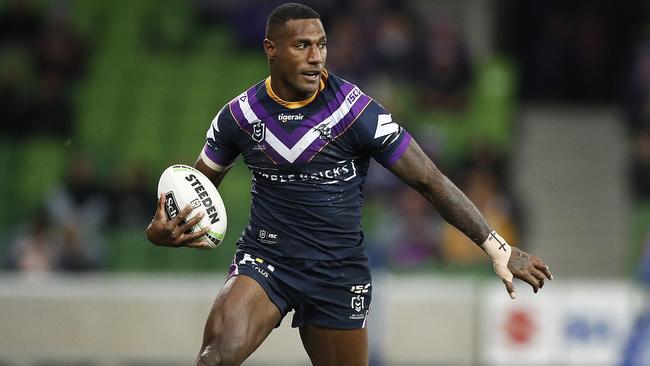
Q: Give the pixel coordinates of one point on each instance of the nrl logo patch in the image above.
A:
(259, 131)
(358, 303)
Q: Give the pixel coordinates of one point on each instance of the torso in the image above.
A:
(308, 164)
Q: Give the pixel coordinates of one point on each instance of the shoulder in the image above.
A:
(368, 113)
(235, 111)
(342, 89)
(348, 92)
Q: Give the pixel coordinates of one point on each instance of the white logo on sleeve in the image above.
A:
(215, 121)
(385, 126)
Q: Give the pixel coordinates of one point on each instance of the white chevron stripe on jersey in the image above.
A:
(249, 115)
(291, 154)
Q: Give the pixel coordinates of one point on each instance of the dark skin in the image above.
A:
(242, 315)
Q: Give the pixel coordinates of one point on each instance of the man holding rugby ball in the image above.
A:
(307, 137)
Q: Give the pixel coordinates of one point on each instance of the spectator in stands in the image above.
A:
(33, 250)
(51, 112)
(345, 39)
(446, 75)
(482, 187)
(414, 232)
(20, 24)
(79, 208)
(131, 197)
(392, 49)
(75, 254)
(15, 94)
(59, 50)
(637, 98)
(41, 62)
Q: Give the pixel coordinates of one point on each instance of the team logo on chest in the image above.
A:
(325, 132)
(259, 131)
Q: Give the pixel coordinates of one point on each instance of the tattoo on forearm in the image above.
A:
(418, 171)
(457, 209)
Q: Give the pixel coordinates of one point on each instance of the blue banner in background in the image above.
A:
(637, 350)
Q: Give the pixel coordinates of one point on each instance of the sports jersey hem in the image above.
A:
(248, 245)
(401, 149)
(215, 158)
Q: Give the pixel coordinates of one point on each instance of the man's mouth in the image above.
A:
(312, 75)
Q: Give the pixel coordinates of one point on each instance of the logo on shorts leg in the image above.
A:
(259, 264)
(358, 303)
(360, 289)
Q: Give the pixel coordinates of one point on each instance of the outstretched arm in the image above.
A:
(418, 171)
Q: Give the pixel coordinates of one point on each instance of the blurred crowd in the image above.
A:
(67, 233)
(394, 50)
(41, 60)
(376, 44)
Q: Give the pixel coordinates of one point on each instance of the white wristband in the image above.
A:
(499, 250)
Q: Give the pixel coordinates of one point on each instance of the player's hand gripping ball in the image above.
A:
(183, 185)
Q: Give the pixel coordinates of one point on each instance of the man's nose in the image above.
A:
(315, 55)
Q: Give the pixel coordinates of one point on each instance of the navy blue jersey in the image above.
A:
(309, 161)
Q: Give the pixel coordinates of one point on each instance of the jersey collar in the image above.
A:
(298, 104)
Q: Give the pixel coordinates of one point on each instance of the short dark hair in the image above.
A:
(285, 12)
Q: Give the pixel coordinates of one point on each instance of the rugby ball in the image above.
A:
(183, 185)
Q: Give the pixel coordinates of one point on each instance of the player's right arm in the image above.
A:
(214, 161)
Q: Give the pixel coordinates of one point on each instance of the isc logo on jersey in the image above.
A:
(183, 185)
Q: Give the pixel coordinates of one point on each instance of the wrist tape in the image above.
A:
(499, 250)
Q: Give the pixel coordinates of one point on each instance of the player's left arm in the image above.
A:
(418, 171)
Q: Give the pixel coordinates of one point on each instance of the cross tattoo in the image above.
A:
(502, 244)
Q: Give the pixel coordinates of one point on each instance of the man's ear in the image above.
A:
(269, 48)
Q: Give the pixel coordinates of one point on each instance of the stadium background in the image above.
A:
(538, 110)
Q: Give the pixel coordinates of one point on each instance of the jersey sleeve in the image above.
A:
(220, 150)
(377, 134)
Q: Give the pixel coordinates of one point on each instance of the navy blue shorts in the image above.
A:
(332, 294)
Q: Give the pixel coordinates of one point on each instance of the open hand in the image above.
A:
(528, 268)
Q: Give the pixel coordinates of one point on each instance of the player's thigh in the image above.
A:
(335, 347)
(242, 316)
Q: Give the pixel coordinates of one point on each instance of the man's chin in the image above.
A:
(308, 90)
